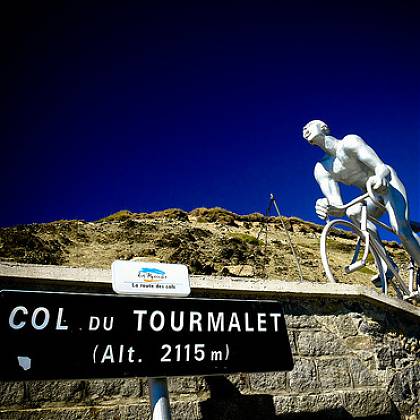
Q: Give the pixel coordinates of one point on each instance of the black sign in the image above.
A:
(62, 335)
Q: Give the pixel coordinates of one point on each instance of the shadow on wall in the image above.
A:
(227, 403)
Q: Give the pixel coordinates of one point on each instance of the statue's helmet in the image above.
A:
(315, 128)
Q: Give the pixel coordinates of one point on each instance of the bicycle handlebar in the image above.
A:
(369, 194)
(350, 203)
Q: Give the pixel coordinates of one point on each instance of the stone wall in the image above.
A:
(354, 358)
(351, 358)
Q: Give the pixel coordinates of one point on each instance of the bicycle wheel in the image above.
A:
(342, 244)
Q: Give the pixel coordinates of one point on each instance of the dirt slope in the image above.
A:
(210, 241)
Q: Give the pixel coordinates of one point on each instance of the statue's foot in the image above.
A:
(376, 280)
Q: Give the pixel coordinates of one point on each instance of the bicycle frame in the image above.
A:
(370, 245)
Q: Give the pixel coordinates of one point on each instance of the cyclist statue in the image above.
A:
(352, 162)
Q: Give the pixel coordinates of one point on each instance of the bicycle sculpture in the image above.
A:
(351, 161)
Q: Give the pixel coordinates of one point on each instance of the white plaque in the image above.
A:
(151, 279)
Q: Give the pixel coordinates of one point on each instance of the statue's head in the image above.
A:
(315, 129)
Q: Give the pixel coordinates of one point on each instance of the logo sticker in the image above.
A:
(149, 275)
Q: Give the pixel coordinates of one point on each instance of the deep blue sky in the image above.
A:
(150, 105)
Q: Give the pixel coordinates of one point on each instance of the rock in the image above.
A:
(238, 270)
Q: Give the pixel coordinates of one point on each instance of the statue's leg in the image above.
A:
(377, 212)
(354, 214)
(397, 206)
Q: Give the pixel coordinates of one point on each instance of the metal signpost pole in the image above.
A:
(159, 398)
(121, 271)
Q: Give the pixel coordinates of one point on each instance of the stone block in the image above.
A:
(301, 321)
(389, 353)
(134, 412)
(341, 325)
(39, 392)
(11, 393)
(63, 414)
(303, 377)
(333, 373)
(285, 404)
(104, 413)
(361, 374)
(371, 327)
(87, 391)
(332, 401)
(111, 389)
(369, 402)
(268, 382)
(347, 325)
(307, 403)
(243, 407)
(202, 387)
(360, 342)
(38, 415)
(182, 385)
(295, 404)
(337, 405)
(404, 385)
(319, 343)
(368, 356)
(319, 406)
(239, 381)
(183, 410)
(115, 412)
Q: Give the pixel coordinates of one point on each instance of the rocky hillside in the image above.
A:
(210, 241)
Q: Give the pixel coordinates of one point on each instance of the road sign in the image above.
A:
(150, 279)
(62, 336)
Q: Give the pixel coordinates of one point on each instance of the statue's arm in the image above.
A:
(331, 191)
(329, 187)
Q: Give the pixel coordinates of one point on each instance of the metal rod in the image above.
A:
(382, 225)
(159, 398)
(273, 200)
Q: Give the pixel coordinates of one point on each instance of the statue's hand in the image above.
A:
(321, 208)
(378, 183)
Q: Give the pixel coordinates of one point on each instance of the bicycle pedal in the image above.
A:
(348, 269)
